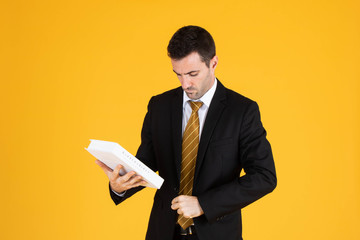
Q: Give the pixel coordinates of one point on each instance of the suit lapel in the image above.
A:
(177, 111)
(215, 110)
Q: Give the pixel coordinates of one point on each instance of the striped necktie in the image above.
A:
(190, 147)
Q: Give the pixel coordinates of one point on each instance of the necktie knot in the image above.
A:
(195, 106)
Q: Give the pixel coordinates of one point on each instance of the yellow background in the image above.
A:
(75, 70)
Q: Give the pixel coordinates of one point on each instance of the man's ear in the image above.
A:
(213, 62)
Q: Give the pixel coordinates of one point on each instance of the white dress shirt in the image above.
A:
(206, 99)
(187, 110)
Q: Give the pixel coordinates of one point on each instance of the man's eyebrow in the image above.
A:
(186, 73)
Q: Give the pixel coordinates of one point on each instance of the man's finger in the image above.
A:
(140, 183)
(128, 175)
(135, 180)
(106, 169)
(175, 200)
(143, 183)
(180, 212)
(115, 173)
(174, 206)
(103, 166)
(117, 169)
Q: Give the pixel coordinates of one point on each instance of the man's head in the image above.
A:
(190, 39)
(192, 53)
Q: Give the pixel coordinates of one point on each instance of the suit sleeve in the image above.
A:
(256, 158)
(145, 154)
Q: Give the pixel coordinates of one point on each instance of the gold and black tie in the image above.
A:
(190, 145)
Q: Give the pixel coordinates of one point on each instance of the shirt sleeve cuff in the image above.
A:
(119, 194)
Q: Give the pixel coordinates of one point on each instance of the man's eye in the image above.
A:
(193, 75)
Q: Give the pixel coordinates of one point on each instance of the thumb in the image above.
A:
(104, 167)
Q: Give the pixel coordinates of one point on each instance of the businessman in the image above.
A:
(199, 137)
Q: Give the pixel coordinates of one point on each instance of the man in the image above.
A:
(199, 137)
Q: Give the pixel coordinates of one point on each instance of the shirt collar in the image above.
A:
(206, 98)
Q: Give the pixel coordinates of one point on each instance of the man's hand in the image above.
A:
(120, 183)
(187, 205)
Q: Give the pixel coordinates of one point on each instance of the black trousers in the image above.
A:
(178, 236)
(186, 237)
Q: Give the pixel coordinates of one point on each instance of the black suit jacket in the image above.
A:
(232, 139)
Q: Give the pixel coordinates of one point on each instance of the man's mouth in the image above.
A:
(189, 90)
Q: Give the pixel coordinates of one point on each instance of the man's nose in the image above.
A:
(185, 82)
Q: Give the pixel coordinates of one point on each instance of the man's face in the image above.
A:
(195, 77)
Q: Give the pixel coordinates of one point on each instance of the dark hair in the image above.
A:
(191, 39)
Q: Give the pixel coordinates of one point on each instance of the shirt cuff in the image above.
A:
(119, 194)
